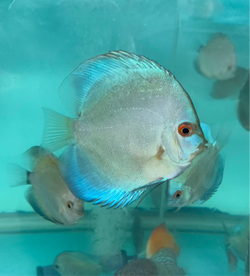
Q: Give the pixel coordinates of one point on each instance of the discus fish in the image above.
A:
(202, 179)
(49, 196)
(134, 125)
(217, 59)
(231, 258)
(231, 87)
(162, 253)
(243, 106)
(76, 263)
(237, 240)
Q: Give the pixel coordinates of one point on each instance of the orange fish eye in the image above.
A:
(185, 129)
(69, 205)
(177, 194)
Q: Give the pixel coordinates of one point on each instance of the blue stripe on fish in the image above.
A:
(86, 184)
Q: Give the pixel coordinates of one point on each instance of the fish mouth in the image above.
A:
(200, 149)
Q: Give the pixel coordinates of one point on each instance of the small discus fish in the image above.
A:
(76, 263)
(133, 125)
(162, 252)
(243, 106)
(237, 244)
(217, 59)
(48, 195)
(202, 179)
(231, 87)
(237, 240)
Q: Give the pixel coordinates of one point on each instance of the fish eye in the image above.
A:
(56, 266)
(69, 205)
(185, 129)
(177, 194)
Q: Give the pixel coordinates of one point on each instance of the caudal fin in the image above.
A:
(58, 131)
(18, 176)
(161, 238)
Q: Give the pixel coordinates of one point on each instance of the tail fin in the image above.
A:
(18, 176)
(58, 131)
(161, 238)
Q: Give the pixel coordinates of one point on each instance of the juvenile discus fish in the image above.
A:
(48, 194)
(76, 263)
(202, 179)
(237, 244)
(132, 125)
(217, 59)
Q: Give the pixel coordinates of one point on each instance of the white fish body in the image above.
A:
(217, 59)
(76, 263)
(48, 195)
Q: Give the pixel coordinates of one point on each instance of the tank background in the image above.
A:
(201, 254)
(43, 41)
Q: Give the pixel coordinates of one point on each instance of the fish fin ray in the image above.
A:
(79, 86)
(36, 205)
(223, 135)
(32, 155)
(58, 131)
(18, 176)
(87, 184)
(217, 181)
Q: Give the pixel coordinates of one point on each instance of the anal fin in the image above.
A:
(86, 182)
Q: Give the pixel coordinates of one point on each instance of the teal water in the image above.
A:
(41, 42)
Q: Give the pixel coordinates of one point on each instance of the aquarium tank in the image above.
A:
(124, 137)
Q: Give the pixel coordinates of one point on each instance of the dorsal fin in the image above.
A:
(102, 71)
(32, 155)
